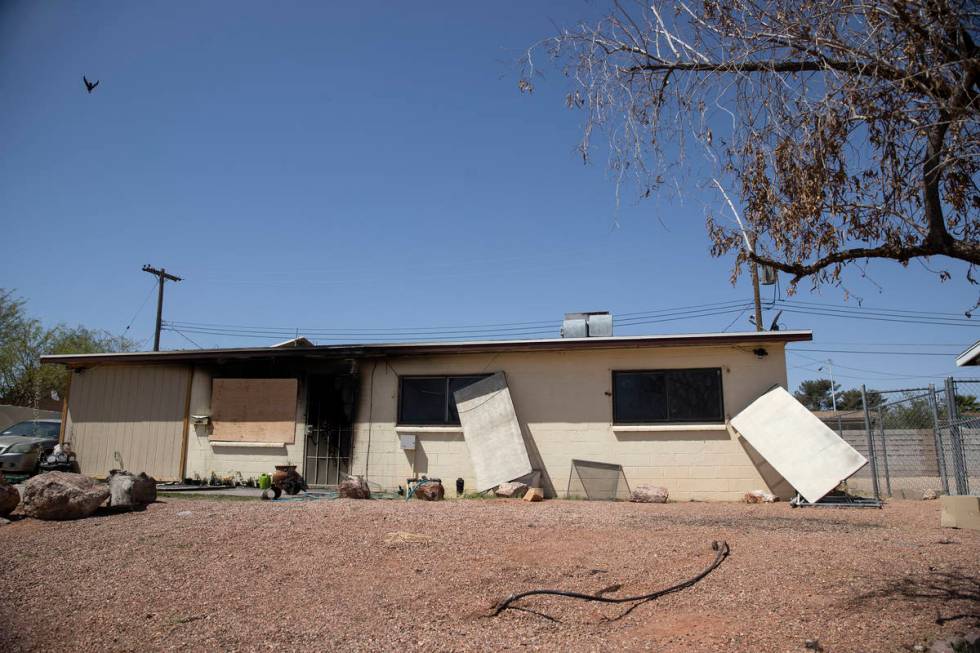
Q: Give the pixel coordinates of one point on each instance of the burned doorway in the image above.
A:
(329, 429)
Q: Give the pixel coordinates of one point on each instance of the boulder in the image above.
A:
(431, 491)
(62, 495)
(128, 490)
(534, 494)
(354, 488)
(758, 496)
(512, 490)
(9, 497)
(649, 494)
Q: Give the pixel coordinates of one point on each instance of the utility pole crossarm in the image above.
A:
(161, 273)
(162, 276)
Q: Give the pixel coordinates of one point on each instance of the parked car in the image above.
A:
(25, 445)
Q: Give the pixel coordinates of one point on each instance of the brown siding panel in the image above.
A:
(137, 411)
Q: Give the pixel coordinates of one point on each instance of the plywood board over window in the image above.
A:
(253, 410)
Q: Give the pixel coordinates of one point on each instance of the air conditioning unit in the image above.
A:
(593, 324)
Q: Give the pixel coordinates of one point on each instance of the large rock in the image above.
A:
(512, 490)
(649, 494)
(431, 491)
(354, 488)
(62, 495)
(9, 497)
(128, 490)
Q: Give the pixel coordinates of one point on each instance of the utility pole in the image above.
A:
(162, 275)
(756, 294)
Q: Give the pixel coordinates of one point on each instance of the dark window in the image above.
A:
(650, 397)
(429, 400)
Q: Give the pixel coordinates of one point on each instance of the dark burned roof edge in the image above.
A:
(417, 348)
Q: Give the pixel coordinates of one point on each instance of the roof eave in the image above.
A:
(969, 357)
(426, 348)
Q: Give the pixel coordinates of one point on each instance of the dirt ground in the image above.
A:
(348, 575)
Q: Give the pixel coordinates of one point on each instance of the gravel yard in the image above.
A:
(347, 575)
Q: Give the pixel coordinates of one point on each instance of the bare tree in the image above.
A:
(849, 128)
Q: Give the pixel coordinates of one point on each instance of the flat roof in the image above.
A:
(420, 348)
(970, 357)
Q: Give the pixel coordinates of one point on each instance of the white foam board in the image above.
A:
(492, 432)
(804, 450)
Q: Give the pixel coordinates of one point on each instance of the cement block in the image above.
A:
(960, 512)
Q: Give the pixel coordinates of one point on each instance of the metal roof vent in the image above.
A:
(592, 324)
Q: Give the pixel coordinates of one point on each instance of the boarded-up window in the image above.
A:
(253, 410)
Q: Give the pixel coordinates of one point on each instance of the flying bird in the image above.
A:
(89, 85)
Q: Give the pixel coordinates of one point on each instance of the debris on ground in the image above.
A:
(960, 512)
(128, 490)
(62, 495)
(354, 488)
(721, 552)
(649, 494)
(812, 645)
(9, 497)
(511, 490)
(930, 495)
(759, 496)
(534, 494)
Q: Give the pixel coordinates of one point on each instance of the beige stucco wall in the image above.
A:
(564, 404)
(250, 460)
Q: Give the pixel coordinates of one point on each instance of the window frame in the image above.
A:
(447, 378)
(668, 420)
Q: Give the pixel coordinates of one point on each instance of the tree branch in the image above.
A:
(958, 249)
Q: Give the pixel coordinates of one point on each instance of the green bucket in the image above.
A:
(265, 481)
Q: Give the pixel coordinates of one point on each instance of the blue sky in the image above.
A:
(360, 166)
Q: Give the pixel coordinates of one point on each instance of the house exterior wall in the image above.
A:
(564, 405)
(135, 411)
(205, 457)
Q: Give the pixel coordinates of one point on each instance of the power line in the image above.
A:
(876, 353)
(622, 318)
(181, 334)
(444, 335)
(139, 310)
(868, 308)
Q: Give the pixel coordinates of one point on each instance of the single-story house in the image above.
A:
(656, 405)
(969, 357)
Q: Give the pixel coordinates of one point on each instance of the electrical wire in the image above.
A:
(139, 310)
(720, 547)
(182, 336)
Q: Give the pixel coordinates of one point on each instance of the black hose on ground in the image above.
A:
(720, 547)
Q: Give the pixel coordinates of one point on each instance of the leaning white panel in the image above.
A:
(807, 453)
(492, 432)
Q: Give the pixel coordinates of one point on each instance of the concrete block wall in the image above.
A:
(564, 405)
(205, 457)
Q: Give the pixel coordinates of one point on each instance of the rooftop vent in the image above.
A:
(587, 325)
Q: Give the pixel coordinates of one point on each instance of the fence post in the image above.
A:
(938, 438)
(871, 442)
(959, 464)
(884, 453)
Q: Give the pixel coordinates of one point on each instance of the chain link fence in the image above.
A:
(915, 440)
